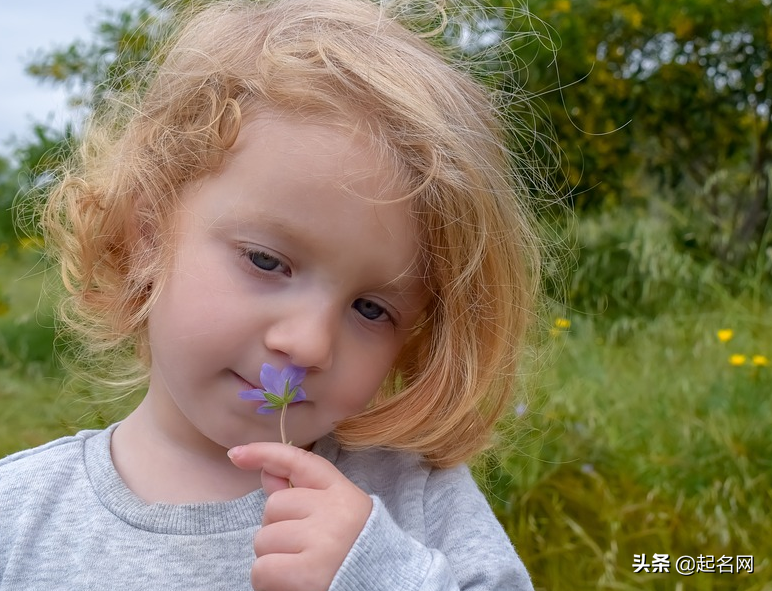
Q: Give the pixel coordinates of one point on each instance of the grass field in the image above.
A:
(656, 440)
(655, 445)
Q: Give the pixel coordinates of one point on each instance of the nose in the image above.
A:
(305, 333)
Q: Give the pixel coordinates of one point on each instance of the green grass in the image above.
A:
(34, 406)
(650, 443)
(653, 445)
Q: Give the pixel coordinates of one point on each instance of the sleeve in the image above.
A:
(465, 549)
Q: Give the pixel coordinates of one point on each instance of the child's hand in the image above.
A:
(309, 528)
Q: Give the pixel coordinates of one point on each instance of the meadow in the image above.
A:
(645, 435)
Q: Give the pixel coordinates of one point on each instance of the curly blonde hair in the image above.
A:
(108, 218)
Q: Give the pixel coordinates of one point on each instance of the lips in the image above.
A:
(246, 383)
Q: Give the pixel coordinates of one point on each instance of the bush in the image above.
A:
(632, 266)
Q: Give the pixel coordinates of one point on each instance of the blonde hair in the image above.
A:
(328, 58)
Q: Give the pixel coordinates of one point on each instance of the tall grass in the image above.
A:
(644, 432)
(654, 445)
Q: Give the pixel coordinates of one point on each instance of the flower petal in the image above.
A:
(297, 394)
(271, 378)
(737, 359)
(256, 394)
(293, 376)
(280, 388)
(265, 409)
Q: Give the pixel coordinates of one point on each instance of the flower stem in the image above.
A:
(281, 424)
(283, 433)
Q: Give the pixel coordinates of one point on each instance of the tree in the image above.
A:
(708, 63)
(668, 100)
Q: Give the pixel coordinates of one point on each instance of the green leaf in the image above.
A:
(275, 400)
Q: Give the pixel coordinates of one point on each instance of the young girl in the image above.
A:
(305, 184)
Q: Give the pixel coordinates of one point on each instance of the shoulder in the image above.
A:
(379, 469)
(43, 485)
(415, 493)
(44, 465)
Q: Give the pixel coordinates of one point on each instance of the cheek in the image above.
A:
(182, 316)
(365, 382)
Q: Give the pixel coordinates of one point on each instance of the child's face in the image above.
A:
(290, 254)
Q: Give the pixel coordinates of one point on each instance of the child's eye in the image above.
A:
(370, 309)
(264, 261)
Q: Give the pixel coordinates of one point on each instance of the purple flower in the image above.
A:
(280, 388)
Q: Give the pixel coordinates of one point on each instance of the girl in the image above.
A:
(305, 183)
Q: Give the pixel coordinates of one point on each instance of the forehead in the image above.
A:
(324, 136)
(335, 164)
(314, 187)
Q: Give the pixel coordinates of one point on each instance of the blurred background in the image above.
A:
(643, 423)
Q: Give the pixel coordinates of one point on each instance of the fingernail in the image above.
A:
(235, 451)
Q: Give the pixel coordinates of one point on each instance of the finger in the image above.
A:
(289, 504)
(272, 484)
(285, 537)
(302, 468)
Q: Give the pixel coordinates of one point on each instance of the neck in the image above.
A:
(175, 467)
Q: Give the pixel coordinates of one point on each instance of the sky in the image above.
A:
(26, 26)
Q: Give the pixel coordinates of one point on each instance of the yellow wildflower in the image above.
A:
(725, 335)
(737, 359)
(760, 360)
(562, 323)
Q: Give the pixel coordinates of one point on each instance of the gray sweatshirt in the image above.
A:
(68, 522)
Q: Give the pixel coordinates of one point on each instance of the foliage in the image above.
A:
(631, 265)
(112, 61)
(22, 186)
(26, 324)
(679, 93)
(655, 445)
(7, 194)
